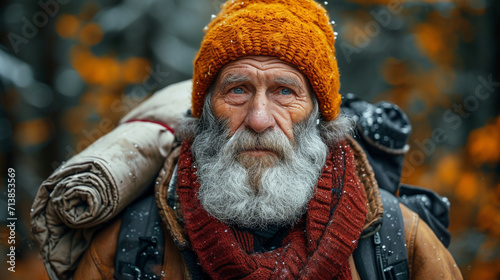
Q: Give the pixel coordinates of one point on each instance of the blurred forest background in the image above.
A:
(69, 70)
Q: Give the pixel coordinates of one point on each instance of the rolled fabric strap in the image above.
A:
(92, 188)
(156, 122)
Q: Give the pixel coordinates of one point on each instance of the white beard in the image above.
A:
(256, 192)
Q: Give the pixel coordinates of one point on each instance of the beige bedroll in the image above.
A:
(95, 185)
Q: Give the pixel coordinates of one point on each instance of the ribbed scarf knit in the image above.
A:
(317, 247)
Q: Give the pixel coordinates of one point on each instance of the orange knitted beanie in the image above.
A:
(296, 31)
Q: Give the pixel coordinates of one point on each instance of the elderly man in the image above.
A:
(266, 182)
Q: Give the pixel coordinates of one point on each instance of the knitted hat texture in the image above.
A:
(296, 31)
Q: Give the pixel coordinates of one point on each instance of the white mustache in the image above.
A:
(271, 140)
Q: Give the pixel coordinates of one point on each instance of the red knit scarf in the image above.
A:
(318, 247)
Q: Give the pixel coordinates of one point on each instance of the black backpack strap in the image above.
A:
(141, 241)
(383, 255)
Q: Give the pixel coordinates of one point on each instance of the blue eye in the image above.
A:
(237, 90)
(286, 91)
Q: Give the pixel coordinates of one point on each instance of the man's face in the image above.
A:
(259, 159)
(260, 93)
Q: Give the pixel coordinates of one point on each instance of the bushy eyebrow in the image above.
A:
(288, 81)
(233, 78)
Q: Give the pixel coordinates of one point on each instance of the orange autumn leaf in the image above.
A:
(67, 26)
(448, 169)
(468, 186)
(486, 217)
(104, 71)
(483, 144)
(90, 34)
(437, 37)
(429, 38)
(33, 132)
(107, 71)
(84, 63)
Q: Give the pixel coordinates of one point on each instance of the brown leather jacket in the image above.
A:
(427, 257)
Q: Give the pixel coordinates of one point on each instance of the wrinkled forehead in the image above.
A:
(268, 67)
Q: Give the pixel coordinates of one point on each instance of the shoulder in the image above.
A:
(427, 256)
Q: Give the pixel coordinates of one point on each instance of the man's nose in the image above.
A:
(259, 116)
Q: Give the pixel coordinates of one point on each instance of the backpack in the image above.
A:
(382, 130)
